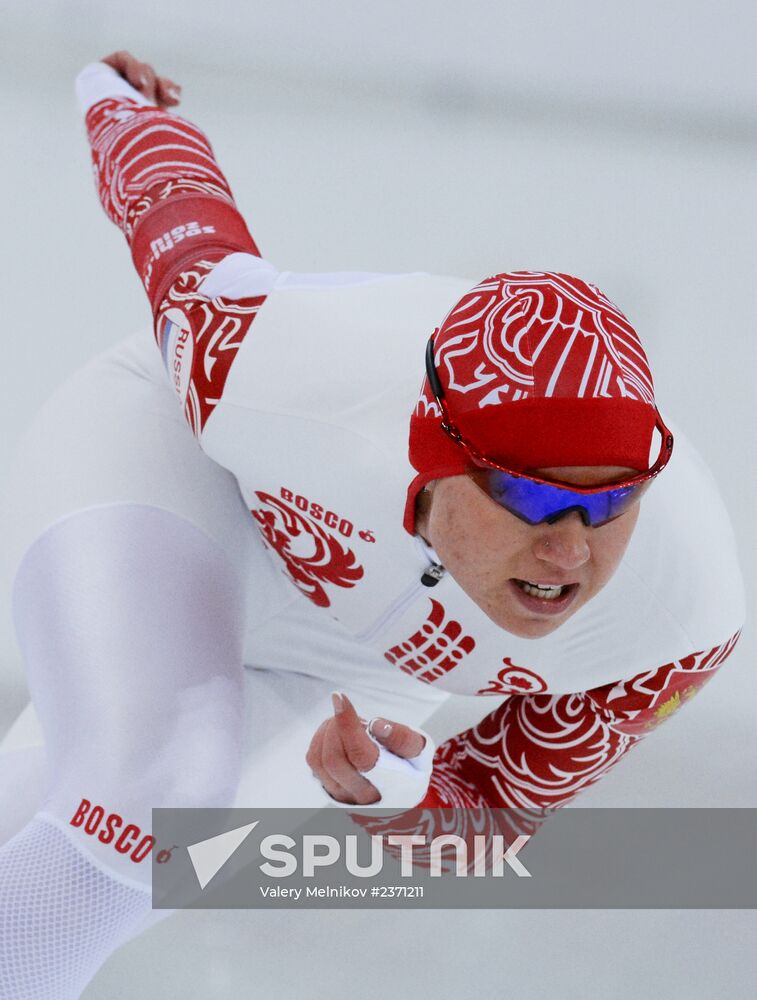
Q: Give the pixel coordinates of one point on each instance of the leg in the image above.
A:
(130, 618)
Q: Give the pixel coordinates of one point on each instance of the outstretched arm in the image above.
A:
(532, 755)
(159, 181)
(537, 752)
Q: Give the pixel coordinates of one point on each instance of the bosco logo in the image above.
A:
(436, 648)
(318, 512)
(130, 840)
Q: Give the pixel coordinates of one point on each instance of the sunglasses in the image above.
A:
(538, 501)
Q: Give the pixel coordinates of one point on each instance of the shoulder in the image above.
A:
(684, 552)
(339, 340)
(677, 592)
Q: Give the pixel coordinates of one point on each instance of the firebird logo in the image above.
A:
(515, 680)
(312, 556)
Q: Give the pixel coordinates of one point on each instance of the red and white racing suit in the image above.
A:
(301, 385)
(148, 575)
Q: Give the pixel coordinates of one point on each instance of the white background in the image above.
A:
(613, 141)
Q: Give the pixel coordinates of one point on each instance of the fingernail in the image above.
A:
(143, 80)
(381, 729)
(174, 92)
(336, 700)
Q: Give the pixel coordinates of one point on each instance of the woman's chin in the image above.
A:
(524, 629)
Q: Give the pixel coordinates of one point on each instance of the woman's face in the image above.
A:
(498, 559)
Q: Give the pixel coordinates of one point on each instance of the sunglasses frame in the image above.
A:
(482, 462)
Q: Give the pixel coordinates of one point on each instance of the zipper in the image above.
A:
(433, 574)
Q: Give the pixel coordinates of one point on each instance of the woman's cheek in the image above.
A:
(609, 549)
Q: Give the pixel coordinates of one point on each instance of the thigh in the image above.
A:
(283, 709)
(112, 439)
(114, 433)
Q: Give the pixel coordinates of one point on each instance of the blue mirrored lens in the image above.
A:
(539, 502)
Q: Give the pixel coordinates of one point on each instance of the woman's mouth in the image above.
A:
(544, 598)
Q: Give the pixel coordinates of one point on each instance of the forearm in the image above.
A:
(536, 753)
(158, 180)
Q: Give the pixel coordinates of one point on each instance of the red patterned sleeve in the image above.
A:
(159, 181)
(537, 752)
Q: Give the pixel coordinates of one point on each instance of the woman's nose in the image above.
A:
(565, 543)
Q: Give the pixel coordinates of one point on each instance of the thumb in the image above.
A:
(360, 749)
(396, 737)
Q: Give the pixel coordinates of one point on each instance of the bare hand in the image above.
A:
(159, 89)
(341, 749)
